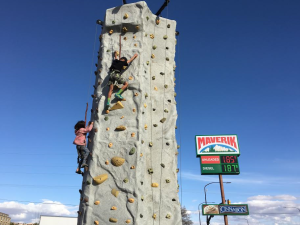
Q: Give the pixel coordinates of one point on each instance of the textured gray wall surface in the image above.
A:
(147, 149)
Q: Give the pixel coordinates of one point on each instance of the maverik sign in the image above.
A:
(217, 145)
(235, 209)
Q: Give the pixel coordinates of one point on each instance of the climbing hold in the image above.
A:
(150, 171)
(175, 127)
(113, 22)
(142, 198)
(117, 161)
(167, 48)
(86, 199)
(154, 109)
(136, 94)
(107, 128)
(100, 179)
(168, 143)
(115, 192)
(107, 111)
(175, 94)
(107, 50)
(150, 144)
(147, 62)
(162, 165)
(135, 45)
(173, 199)
(154, 185)
(154, 216)
(166, 111)
(177, 170)
(80, 191)
(95, 130)
(142, 182)
(113, 208)
(145, 105)
(176, 153)
(168, 26)
(153, 78)
(132, 151)
(100, 37)
(118, 105)
(168, 216)
(137, 27)
(132, 134)
(88, 182)
(134, 36)
(130, 78)
(96, 222)
(141, 155)
(133, 110)
(93, 96)
(97, 202)
(154, 47)
(96, 64)
(92, 110)
(152, 56)
(125, 38)
(96, 73)
(146, 35)
(106, 162)
(79, 213)
(166, 86)
(125, 180)
(142, 141)
(124, 29)
(113, 220)
(167, 59)
(151, 36)
(155, 125)
(132, 167)
(155, 88)
(166, 37)
(168, 180)
(121, 117)
(163, 120)
(178, 146)
(111, 31)
(110, 145)
(157, 22)
(147, 17)
(120, 128)
(128, 221)
(162, 73)
(106, 118)
(126, 16)
(141, 215)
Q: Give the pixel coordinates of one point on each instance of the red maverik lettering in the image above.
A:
(202, 141)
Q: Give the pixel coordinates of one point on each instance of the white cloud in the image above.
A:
(30, 212)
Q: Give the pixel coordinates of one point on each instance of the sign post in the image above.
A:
(223, 196)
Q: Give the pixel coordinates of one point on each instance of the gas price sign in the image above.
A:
(220, 164)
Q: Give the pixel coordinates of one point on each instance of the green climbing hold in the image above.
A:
(175, 127)
(175, 94)
(147, 17)
(125, 180)
(162, 73)
(113, 22)
(168, 180)
(106, 118)
(155, 125)
(168, 26)
(168, 143)
(147, 62)
(166, 111)
(132, 151)
(154, 47)
(141, 215)
(178, 146)
(166, 86)
(168, 216)
(142, 141)
(108, 50)
(162, 165)
(88, 182)
(167, 59)
(163, 120)
(169, 100)
(153, 78)
(142, 198)
(150, 144)
(166, 37)
(146, 95)
(150, 171)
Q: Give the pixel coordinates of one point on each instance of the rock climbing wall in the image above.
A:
(132, 174)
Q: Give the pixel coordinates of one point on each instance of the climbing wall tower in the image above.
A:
(132, 174)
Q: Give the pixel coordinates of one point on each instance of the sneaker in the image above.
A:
(78, 171)
(84, 165)
(119, 96)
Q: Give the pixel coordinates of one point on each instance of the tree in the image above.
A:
(186, 218)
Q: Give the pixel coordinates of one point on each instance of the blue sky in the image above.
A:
(237, 73)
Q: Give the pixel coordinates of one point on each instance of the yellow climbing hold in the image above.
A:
(114, 208)
(154, 184)
(146, 126)
(130, 78)
(100, 179)
(106, 162)
(113, 220)
(125, 38)
(124, 29)
(134, 110)
(135, 45)
(134, 37)
(128, 221)
(155, 88)
(122, 117)
(117, 161)
(107, 128)
(97, 202)
(132, 167)
(132, 134)
(110, 145)
(126, 16)
(145, 105)
(120, 128)
(96, 222)
(137, 27)
(131, 200)
(151, 36)
(152, 56)
(141, 154)
(107, 111)
(115, 192)
(154, 216)
(118, 105)
(111, 31)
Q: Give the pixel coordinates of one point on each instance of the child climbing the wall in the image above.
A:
(115, 71)
(80, 142)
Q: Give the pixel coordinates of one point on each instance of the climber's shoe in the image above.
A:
(84, 165)
(78, 171)
(119, 96)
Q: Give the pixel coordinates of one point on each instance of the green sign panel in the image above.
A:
(224, 209)
(219, 164)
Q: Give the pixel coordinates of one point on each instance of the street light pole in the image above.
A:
(199, 210)
(205, 195)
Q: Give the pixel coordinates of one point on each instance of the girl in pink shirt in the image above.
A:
(80, 142)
